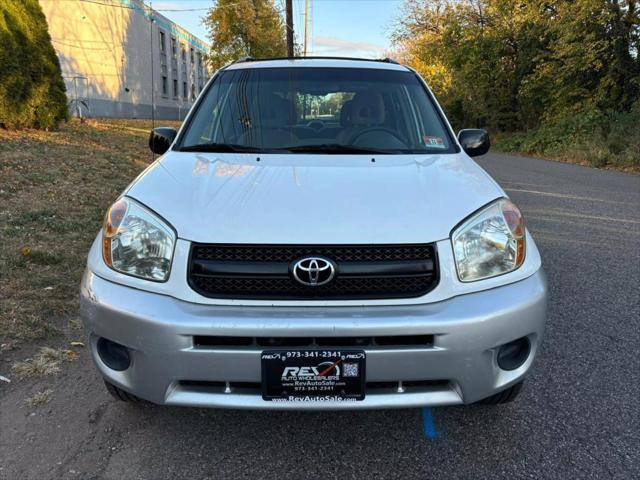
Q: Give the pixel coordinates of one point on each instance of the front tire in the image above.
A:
(505, 396)
(120, 394)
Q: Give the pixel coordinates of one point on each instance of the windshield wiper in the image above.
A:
(220, 147)
(335, 148)
(330, 148)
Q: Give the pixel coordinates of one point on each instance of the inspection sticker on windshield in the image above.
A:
(313, 375)
(433, 142)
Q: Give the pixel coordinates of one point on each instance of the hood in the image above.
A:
(313, 199)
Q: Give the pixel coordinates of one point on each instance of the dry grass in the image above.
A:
(54, 189)
(40, 398)
(47, 361)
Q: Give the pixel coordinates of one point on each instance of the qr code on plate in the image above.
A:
(350, 370)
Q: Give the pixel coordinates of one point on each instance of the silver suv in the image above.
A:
(314, 237)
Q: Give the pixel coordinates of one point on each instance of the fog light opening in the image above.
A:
(114, 355)
(512, 355)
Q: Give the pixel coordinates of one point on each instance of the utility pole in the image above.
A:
(153, 95)
(289, 9)
(306, 24)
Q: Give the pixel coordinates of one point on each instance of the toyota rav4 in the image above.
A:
(314, 237)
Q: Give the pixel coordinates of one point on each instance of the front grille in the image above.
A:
(255, 388)
(285, 253)
(390, 341)
(264, 271)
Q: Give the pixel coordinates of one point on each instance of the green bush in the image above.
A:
(601, 139)
(32, 92)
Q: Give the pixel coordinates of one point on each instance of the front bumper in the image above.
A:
(167, 368)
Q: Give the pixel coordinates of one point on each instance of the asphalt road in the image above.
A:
(578, 416)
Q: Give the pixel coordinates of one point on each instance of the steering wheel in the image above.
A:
(357, 135)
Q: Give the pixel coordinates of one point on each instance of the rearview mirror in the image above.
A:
(474, 142)
(161, 139)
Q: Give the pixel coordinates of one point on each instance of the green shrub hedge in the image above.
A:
(32, 92)
(601, 139)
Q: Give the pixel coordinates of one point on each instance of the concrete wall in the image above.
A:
(106, 54)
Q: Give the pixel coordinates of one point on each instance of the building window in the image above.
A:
(185, 94)
(175, 88)
(164, 85)
(162, 43)
(183, 53)
(193, 92)
(174, 50)
(191, 57)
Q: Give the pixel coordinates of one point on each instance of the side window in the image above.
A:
(162, 42)
(164, 86)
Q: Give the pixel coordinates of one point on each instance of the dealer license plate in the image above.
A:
(313, 375)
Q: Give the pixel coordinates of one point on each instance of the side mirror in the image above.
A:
(161, 139)
(474, 141)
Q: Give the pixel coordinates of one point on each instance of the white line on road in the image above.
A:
(521, 184)
(562, 195)
(551, 213)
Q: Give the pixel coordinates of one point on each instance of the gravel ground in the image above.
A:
(578, 416)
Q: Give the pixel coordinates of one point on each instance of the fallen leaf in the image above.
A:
(77, 344)
(71, 355)
(25, 251)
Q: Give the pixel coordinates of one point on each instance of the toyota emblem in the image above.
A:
(313, 271)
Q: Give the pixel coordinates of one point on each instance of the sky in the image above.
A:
(356, 28)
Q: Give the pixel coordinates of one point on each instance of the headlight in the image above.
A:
(490, 243)
(136, 242)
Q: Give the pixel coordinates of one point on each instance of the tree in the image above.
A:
(589, 60)
(475, 55)
(32, 92)
(512, 65)
(239, 28)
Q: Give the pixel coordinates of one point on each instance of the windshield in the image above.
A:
(317, 110)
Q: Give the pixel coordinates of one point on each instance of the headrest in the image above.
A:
(367, 109)
(275, 112)
(345, 113)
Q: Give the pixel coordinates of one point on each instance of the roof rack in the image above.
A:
(243, 59)
(253, 59)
